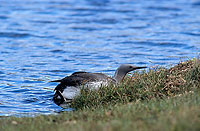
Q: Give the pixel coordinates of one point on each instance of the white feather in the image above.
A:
(71, 91)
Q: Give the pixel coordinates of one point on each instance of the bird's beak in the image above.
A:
(139, 67)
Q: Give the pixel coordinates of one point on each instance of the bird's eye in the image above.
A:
(130, 66)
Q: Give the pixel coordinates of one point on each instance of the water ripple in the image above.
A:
(14, 35)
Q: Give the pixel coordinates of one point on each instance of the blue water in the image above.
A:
(43, 40)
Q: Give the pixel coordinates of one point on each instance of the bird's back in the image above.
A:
(70, 86)
(82, 78)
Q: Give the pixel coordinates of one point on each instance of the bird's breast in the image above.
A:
(71, 91)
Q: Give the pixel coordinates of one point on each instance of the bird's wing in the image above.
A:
(75, 73)
(80, 78)
(76, 79)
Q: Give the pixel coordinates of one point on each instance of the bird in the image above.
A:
(70, 86)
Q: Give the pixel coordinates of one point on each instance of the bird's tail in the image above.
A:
(56, 81)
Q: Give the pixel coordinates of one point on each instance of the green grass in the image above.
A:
(177, 113)
(160, 99)
(159, 83)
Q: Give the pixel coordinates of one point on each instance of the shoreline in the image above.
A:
(157, 99)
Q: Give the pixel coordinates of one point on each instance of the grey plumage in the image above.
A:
(78, 79)
(82, 78)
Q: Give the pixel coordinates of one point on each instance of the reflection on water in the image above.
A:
(44, 40)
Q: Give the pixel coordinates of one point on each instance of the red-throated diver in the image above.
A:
(70, 86)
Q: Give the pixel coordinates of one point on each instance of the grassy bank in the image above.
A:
(159, 99)
(156, 83)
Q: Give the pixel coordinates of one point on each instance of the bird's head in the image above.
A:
(123, 69)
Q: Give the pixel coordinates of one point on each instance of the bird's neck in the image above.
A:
(119, 76)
